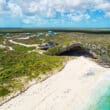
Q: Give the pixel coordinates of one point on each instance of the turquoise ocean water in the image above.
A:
(100, 99)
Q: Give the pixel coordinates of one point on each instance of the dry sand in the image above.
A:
(66, 90)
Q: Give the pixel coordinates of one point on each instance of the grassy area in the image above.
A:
(19, 47)
(19, 66)
(61, 39)
(1, 39)
(98, 39)
(22, 48)
(33, 40)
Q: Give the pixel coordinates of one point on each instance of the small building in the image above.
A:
(48, 45)
(51, 33)
(52, 44)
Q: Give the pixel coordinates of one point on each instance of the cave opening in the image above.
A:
(77, 51)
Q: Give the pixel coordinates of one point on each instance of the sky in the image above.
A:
(55, 13)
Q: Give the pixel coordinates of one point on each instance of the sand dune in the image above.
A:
(66, 90)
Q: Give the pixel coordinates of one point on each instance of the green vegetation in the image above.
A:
(54, 50)
(33, 40)
(4, 91)
(18, 66)
(19, 47)
(62, 39)
(22, 48)
(1, 39)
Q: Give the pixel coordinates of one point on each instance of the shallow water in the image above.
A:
(101, 96)
(104, 103)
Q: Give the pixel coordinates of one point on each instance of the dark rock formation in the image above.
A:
(77, 49)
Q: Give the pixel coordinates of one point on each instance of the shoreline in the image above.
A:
(70, 86)
(97, 99)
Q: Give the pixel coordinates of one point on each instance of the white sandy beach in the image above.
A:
(66, 90)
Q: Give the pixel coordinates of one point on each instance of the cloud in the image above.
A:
(105, 6)
(73, 10)
(3, 6)
(15, 9)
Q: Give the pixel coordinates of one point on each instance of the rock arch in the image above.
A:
(76, 49)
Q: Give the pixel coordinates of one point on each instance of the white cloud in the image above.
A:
(1, 1)
(51, 8)
(15, 9)
(78, 16)
(108, 14)
(3, 6)
(33, 7)
(26, 21)
(105, 6)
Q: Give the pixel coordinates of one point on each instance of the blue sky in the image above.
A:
(55, 13)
